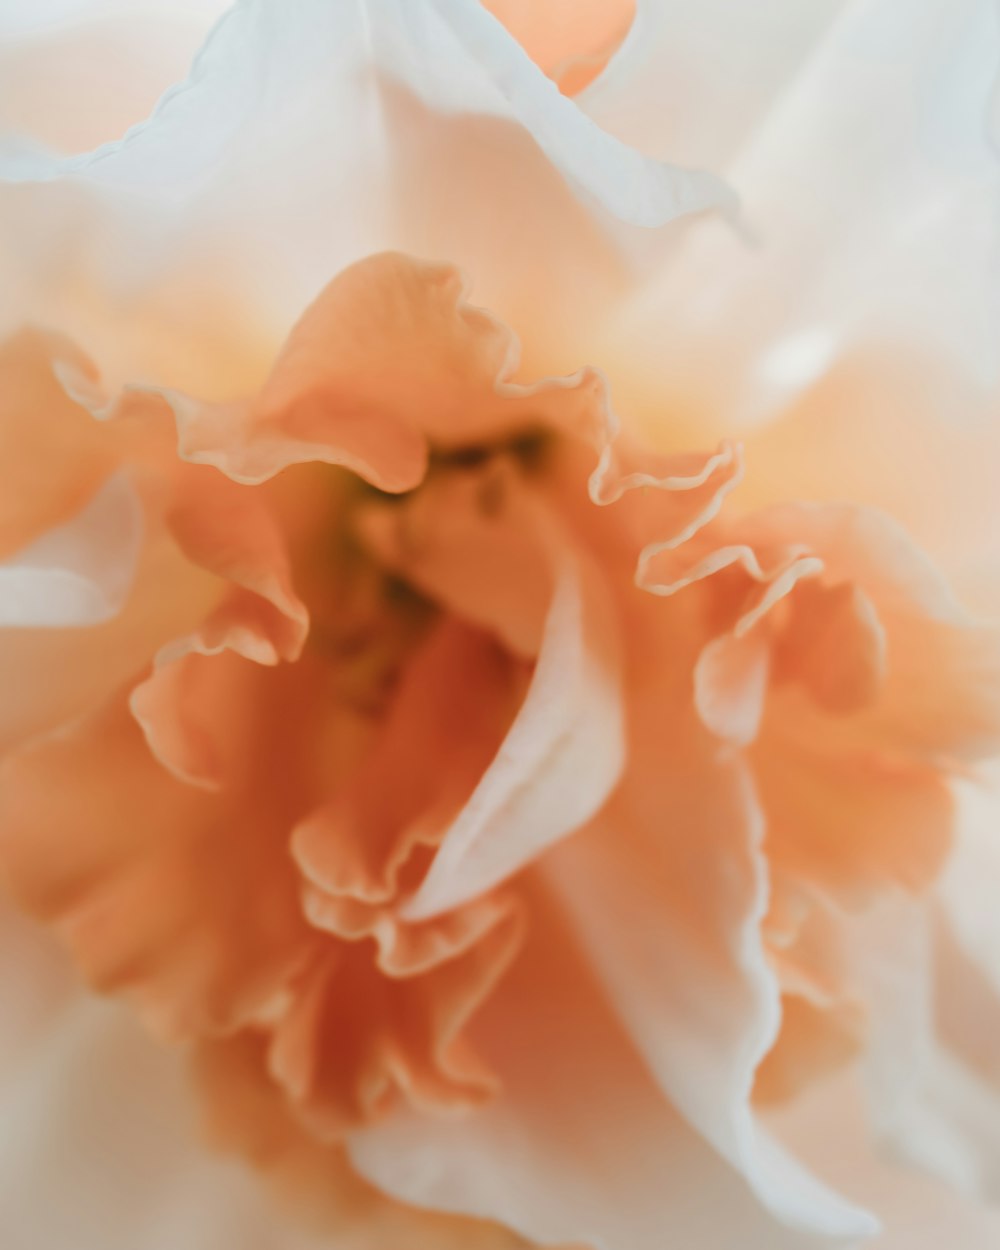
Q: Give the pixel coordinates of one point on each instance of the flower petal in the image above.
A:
(59, 51)
(453, 130)
(149, 880)
(659, 94)
(563, 753)
(938, 698)
(570, 41)
(831, 1127)
(352, 1040)
(921, 464)
(464, 45)
(51, 16)
(235, 534)
(52, 676)
(581, 1148)
(392, 361)
(966, 887)
(141, 1181)
(730, 680)
(666, 893)
(931, 1074)
(490, 570)
(247, 1114)
(406, 949)
(885, 249)
(849, 824)
(53, 455)
(230, 532)
(452, 704)
(79, 573)
(886, 611)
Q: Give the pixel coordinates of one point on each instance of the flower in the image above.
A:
(505, 803)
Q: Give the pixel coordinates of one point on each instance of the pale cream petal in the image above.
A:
(931, 1077)
(700, 76)
(75, 73)
(918, 1211)
(874, 267)
(453, 130)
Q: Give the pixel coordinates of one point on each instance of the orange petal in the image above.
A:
(389, 355)
(892, 685)
(850, 825)
(447, 718)
(834, 644)
(403, 948)
(395, 341)
(668, 499)
(938, 700)
(396, 338)
(870, 630)
(564, 751)
(232, 532)
(470, 541)
(768, 575)
(392, 357)
(195, 712)
(353, 1040)
(360, 853)
(184, 901)
(229, 531)
(53, 454)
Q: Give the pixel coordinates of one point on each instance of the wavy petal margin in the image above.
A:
(453, 53)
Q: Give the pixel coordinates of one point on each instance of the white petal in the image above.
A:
(48, 15)
(873, 190)
(74, 73)
(968, 888)
(81, 573)
(919, 1212)
(452, 52)
(696, 77)
(307, 136)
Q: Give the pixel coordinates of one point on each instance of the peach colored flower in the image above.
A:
(506, 805)
(335, 809)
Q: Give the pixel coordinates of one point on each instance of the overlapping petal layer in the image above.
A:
(467, 677)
